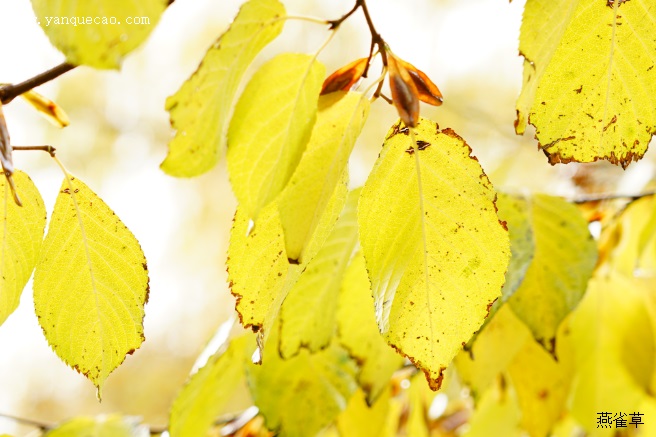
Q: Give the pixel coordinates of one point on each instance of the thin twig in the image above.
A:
(334, 24)
(376, 39)
(10, 92)
(35, 423)
(48, 149)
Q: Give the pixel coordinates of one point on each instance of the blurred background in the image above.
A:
(119, 133)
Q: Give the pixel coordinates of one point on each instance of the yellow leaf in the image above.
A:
(493, 350)
(308, 314)
(543, 25)
(97, 33)
(648, 408)
(542, 386)
(361, 420)
(435, 250)
(21, 237)
(257, 266)
(271, 127)
(208, 391)
(496, 414)
(417, 425)
(259, 271)
(339, 122)
(101, 426)
(627, 246)
(595, 98)
(200, 109)
(613, 342)
(565, 256)
(301, 395)
(358, 332)
(90, 284)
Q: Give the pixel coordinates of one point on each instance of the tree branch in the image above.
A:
(604, 197)
(9, 92)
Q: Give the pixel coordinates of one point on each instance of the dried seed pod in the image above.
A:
(428, 91)
(6, 160)
(405, 95)
(344, 78)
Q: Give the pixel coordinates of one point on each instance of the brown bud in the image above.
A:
(405, 95)
(344, 78)
(428, 91)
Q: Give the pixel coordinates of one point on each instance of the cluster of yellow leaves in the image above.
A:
(90, 274)
(559, 346)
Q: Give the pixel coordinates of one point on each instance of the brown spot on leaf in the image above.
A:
(613, 120)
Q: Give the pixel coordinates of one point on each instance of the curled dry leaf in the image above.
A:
(46, 107)
(428, 92)
(405, 95)
(344, 78)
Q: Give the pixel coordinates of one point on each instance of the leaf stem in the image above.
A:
(325, 43)
(9, 92)
(309, 19)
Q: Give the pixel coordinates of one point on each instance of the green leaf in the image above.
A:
(301, 395)
(90, 284)
(97, 33)
(308, 315)
(565, 256)
(271, 127)
(596, 90)
(101, 426)
(200, 109)
(514, 211)
(358, 332)
(434, 248)
(339, 122)
(207, 393)
(21, 238)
